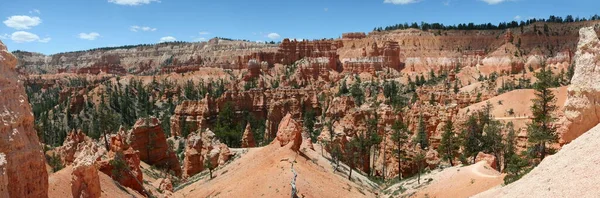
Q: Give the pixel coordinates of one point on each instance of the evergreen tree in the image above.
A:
(471, 138)
(455, 88)
(351, 154)
(541, 131)
(509, 143)
(373, 137)
(414, 98)
(422, 134)
(357, 93)
(343, 89)
(516, 168)
(227, 128)
(449, 145)
(400, 135)
(309, 124)
(493, 140)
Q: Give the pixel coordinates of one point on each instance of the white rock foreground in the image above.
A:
(582, 107)
(572, 172)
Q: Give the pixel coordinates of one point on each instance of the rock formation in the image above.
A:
(73, 144)
(271, 105)
(142, 59)
(378, 58)
(200, 146)
(148, 138)
(165, 185)
(248, 138)
(189, 116)
(489, 159)
(289, 131)
(581, 107)
(84, 179)
(23, 164)
(123, 163)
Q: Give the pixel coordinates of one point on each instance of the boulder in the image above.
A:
(148, 138)
(85, 181)
(289, 131)
(488, 158)
(21, 158)
(248, 138)
(582, 106)
(432, 158)
(166, 185)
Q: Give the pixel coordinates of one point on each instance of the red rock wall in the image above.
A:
(21, 158)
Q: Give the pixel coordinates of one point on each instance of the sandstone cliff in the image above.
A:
(140, 58)
(23, 164)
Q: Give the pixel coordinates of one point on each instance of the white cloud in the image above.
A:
(89, 36)
(132, 2)
(199, 39)
(518, 17)
(35, 11)
(136, 28)
(25, 37)
(167, 39)
(4, 36)
(400, 2)
(45, 40)
(494, 2)
(326, 9)
(22, 22)
(273, 36)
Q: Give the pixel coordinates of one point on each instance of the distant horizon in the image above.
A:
(64, 26)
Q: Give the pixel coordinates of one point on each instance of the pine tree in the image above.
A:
(400, 138)
(422, 134)
(456, 89)
(414, 98)
(227, 128)
(516, 168)
(351, 154)
(373, 137)
(343, 89)
(471, 138)
(540, 131)
(449, 144)
(309, 124)
(493, 140)
(357, 93)
(509, 143)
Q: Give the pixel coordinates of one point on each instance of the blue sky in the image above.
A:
(52, 26)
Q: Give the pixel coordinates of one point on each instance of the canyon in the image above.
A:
(364, 115)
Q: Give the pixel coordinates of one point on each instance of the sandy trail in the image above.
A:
(266, 172)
